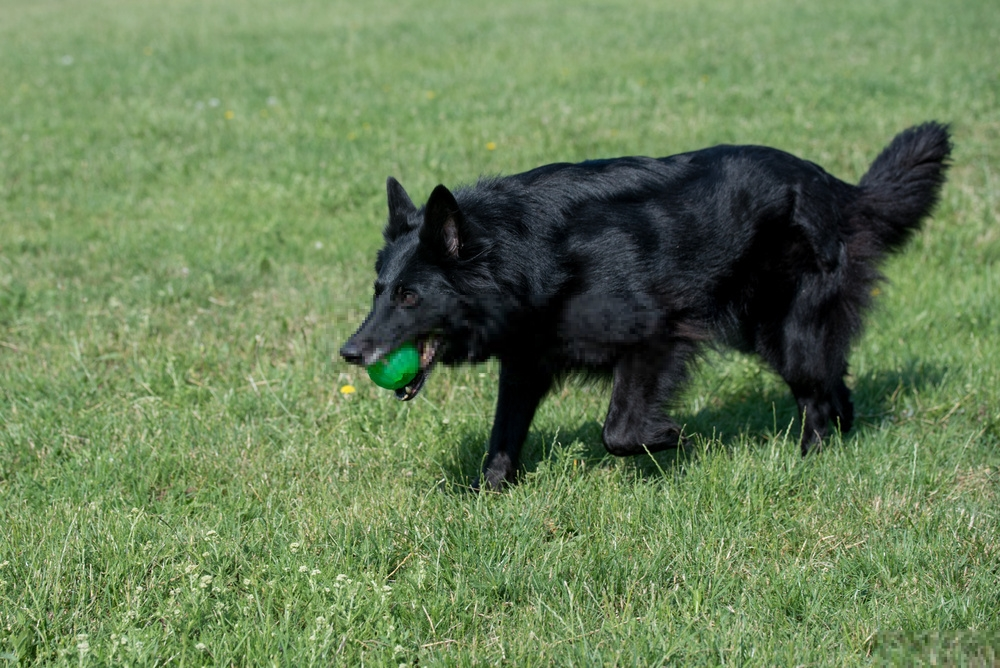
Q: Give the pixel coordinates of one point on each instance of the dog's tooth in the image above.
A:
(374, 356)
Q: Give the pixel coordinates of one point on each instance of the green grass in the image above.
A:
(191, 194)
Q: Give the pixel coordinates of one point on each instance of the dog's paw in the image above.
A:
(496, 477)
(813, 444)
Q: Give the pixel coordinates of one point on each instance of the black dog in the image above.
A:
(626, 267)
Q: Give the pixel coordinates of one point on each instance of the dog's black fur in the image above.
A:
(626, 267)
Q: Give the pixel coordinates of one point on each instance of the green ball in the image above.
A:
(396, 369)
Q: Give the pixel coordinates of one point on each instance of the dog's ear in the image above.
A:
(400, 208)
(444, 225)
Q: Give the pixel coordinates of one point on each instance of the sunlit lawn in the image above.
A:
(191, 195)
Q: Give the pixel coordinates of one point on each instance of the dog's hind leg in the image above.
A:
(811, 355)
(641, 387)
(821, 405)
(522, 387)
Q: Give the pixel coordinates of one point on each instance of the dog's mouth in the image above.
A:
(428, 349)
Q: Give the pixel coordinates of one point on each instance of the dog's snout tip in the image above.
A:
(351, 353)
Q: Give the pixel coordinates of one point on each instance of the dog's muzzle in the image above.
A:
(355, 353)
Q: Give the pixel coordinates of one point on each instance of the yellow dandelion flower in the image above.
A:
(347, 389)
(230, 115)
(491, 146)
(430, 95)
(876, 292)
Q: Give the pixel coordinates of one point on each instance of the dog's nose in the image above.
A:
(351, 352)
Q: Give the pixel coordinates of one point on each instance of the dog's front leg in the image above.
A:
(521, 390)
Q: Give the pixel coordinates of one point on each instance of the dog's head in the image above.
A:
(416, 298)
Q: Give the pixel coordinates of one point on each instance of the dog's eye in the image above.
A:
(408, 298)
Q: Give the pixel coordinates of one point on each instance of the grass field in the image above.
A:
(191, 194)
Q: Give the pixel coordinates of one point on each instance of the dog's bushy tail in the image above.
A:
(904, 183)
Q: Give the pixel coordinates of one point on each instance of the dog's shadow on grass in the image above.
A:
(757, 417)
